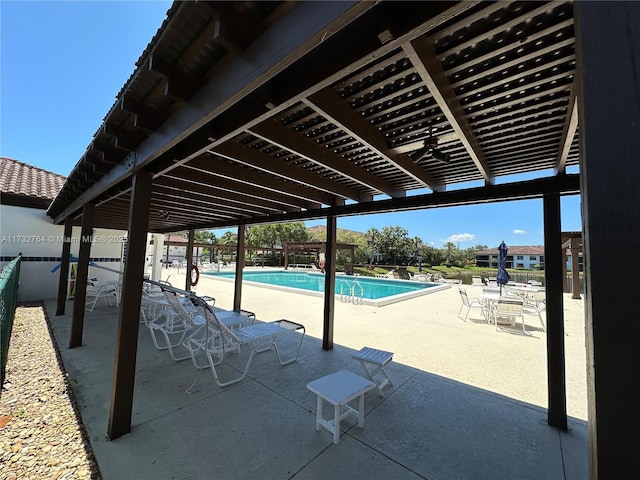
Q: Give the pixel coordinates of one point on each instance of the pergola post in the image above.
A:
(63, 282)
(240, 254)
(565, 285)
(556, 383)
(189, 258)
(129, 316)
(608, 56)
(329, 284)
(80, 297)
(575, 268)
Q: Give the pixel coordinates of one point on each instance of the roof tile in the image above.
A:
(18, 178)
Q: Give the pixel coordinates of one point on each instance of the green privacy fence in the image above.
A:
(9, 281)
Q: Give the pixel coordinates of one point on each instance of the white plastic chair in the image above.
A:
(537, 312)
(506, 310)
(469, 304)
(109, 292)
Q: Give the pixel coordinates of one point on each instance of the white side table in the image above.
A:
(374, 361)
(338, 389)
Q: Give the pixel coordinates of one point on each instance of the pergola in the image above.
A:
(242, 113)
(313, 247)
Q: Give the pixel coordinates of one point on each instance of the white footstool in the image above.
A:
(338, 389)
(374, 362)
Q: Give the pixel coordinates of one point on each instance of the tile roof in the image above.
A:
(26, 185)
(516, 250)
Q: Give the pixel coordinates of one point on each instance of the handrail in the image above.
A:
(343, 283)
(353, 294)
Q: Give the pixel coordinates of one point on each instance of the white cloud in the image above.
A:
(461, 237)
(520, 232)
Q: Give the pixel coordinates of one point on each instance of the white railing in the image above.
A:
(353, 292)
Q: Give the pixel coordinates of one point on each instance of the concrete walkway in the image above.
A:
(467, 402)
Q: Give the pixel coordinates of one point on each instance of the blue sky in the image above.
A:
(63, 63)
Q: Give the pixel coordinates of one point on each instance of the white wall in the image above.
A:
(29, 231)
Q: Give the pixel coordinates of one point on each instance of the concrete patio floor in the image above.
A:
(467, 401)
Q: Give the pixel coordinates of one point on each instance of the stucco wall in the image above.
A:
(29, 231)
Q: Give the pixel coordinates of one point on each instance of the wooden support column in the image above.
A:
(80, 298)
(575, 268)
(565, 285)
(329, 284)
(608, 56)
(556, 383)
(189, 257)
(240, 254)
(129, 318)
(63, 282)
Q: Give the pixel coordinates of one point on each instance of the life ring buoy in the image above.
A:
(194, 269)
(321, 264)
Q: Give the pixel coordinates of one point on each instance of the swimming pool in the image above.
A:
(370, 291)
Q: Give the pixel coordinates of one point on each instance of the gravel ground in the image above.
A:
(41, 436)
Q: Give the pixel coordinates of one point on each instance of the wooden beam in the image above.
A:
(255, 158)
(274, 132)
(147, 117)
(180, 84)
(80, 297)
(564, 184)
(329, 284)
(212, 165)
(216, 194)
(608, 48)
(568, 133)
(423, 56)
(240, 253)
(225, 180)
(63, 279)
(129, 314)
(556, 382)
(189, 258)
(334, 108)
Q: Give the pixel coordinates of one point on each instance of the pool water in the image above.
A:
(363, 287)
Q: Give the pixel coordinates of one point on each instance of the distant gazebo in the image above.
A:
(312, 248)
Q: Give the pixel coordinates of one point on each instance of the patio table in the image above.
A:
(338, 389)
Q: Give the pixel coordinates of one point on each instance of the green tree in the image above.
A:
(395, 245)
(361, 251)
(432, 255)
(373, 238)
(206, 236)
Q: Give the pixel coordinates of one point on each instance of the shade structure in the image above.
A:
(503, 276)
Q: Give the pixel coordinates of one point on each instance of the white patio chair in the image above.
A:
(469, 304)
(175, 325)
(214, 341)
(108, 292)
(477, 281)
(506, 310)
(537, 312)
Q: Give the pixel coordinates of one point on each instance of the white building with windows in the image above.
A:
(526, 258)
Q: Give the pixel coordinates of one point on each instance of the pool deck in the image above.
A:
(468, 402)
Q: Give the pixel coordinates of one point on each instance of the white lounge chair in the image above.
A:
(214, 341)
(108, 292)
(476, 280)
(537, 312)
(175, 324)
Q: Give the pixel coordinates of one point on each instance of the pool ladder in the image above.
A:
(355, 292)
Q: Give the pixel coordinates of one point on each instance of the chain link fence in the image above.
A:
(9, 282)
